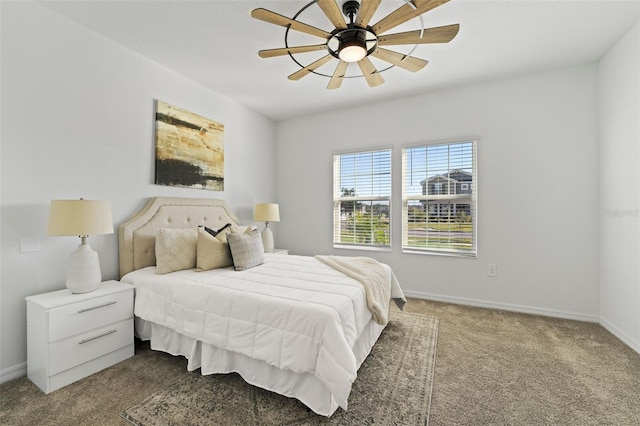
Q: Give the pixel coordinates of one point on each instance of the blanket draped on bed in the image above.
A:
(372, 275)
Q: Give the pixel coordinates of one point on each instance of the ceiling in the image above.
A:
(215, 43)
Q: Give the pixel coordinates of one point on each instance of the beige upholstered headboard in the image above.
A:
(137, 236)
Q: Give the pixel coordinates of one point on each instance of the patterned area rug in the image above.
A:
(393, 387)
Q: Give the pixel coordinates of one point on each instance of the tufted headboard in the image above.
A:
(137, 236)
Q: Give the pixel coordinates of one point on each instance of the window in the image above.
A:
(362, 199)
(439, 198)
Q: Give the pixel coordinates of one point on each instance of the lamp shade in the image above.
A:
(266, 212)
(79, 217)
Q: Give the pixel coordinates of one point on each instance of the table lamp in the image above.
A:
(81, 218)
(266, 212)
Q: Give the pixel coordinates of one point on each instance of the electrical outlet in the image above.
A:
(492, 270)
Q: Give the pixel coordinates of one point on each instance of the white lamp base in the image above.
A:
(83, 273)
(267, 240)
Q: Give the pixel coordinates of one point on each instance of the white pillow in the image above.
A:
(240, 229)
(247, 250)
(176, 249)
(213, 252)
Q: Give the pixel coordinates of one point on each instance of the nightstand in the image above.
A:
(71, 336)
(280, 251)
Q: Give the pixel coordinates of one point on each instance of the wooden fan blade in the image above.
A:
(270, 53)
(311, 67)
(333, 12)
(430, 35)
(338, 75)
(370, 73)
(405, 13)
(367, 9)
(283, 21)
(409, 63)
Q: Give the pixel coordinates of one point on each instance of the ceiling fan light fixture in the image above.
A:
(353, 48)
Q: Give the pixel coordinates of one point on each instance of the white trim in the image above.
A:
(441, 141)
(361, 150)
(13, 372)
(387, 249)
(626, 339)
(443, 252)
(579, 316)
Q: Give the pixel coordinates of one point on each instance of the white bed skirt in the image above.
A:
(212, 360)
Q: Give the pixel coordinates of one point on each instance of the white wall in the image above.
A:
(538, 188)
(77, 121)
(619, 155)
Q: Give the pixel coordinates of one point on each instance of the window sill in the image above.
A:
(363, 248)
(473, 255)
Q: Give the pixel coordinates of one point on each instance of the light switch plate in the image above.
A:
(29, 245)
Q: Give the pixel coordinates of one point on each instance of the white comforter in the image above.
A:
(292, 312)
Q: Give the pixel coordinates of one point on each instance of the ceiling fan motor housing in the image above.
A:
(350, 8)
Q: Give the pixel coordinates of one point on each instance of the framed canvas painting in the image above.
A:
(189, 149)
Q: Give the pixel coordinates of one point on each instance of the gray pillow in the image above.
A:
(247, 250)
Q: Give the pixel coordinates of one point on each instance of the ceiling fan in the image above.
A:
(353, 41)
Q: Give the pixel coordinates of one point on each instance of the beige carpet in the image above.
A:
(393, 387)
(493, 368)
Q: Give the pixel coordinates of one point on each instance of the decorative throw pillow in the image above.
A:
(215, 232)
(176, 249)
(241, 229)
(212, 252)
(247, 250)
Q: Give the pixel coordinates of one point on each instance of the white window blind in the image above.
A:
(439, 198)
(362, 199)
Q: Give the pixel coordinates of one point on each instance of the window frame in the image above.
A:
(337, 199)
(426, 198)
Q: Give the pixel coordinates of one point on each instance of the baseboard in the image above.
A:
(13, 372)
(626, 339)
(504, 306)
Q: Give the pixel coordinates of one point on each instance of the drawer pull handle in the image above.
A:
(113, 302)
(96, 337)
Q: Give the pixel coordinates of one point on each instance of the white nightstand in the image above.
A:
(280, 251)
(71, 336)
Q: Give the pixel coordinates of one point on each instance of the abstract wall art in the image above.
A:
(189, 149)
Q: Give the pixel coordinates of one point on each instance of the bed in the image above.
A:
(295, 325)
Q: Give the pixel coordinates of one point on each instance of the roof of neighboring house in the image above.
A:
(446, 176)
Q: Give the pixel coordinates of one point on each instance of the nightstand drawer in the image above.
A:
(77, 350)
(86, 315)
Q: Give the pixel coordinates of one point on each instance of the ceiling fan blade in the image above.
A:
(405, 13)
(409, 63)
(270, 53)
(283, 21)
(311, 67)
(367, 9)
(333, 12)
(338, 75)
(430, 35)
(370, 73)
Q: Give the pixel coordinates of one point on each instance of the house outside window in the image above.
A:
(439, 198)
(362, 200)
